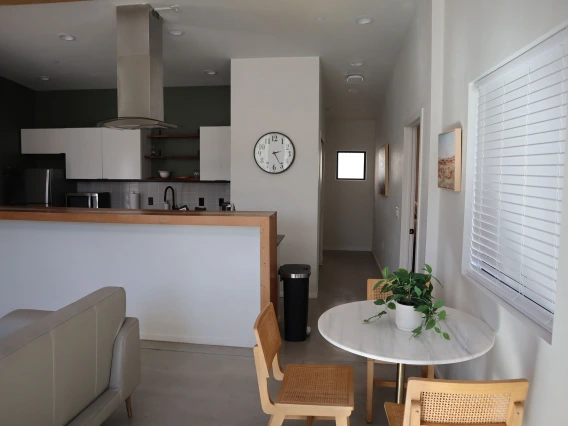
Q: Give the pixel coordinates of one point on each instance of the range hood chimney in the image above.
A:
(139, 70)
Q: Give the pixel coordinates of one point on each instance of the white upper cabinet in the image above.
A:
(123, 154)
(83, 154)
(215, 153)
(42, 141)
(93, 153)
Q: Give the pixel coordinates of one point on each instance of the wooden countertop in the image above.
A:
(150, 217)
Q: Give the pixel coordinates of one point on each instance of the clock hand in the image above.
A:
(275, 152)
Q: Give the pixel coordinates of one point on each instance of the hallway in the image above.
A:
(213, 386)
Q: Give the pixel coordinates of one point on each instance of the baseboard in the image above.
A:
(347, 248)
(215, 341)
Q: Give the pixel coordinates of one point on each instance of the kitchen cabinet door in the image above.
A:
(83, 153)
(42, 141)
(123, 156)
(215, 153)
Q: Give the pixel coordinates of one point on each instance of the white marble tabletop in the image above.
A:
(343, 327)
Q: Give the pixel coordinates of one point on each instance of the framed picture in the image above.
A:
(449, 160)
(384, 170)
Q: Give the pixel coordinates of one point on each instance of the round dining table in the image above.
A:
(344, 327)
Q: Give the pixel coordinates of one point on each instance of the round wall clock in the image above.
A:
(274, 153)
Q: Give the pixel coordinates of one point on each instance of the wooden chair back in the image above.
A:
(448, 402)
(374, 294)
(268, 338)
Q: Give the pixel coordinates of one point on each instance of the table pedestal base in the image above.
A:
(400, 376)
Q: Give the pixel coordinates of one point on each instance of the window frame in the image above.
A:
(542, 325)
(351, 152)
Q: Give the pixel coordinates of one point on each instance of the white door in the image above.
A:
(42, 141)
(122, 154)
(215, 153)
(83, 153)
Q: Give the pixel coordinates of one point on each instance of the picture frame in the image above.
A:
(383, 174)
(450, 160)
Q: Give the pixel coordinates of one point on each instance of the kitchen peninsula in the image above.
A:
(193, 277)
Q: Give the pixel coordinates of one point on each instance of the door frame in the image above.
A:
(408, 192)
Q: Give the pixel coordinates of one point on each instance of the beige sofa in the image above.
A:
(73, 366)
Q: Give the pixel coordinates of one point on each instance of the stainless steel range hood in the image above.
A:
(139, 70)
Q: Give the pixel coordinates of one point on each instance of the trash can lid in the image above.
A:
(295, 271)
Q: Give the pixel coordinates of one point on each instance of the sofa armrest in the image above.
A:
(126, 369)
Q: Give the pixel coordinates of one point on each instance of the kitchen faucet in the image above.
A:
(174, 207)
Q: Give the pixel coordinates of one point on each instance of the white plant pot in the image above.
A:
(407, 319)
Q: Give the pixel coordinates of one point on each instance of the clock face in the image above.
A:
(274, 153)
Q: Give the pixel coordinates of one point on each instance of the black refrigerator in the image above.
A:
(36, 187)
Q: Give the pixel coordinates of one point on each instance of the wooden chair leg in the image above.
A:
(309, 421)
(428, 371)
(342, 421)
(276, 420)
(370, 378)
(128, 407)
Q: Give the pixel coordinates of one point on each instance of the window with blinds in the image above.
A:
(515, 199)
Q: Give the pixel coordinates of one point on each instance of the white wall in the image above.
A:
(468, 38)
(348, 205)
(194, 284)
(478, 36)
(408, 92)
(279, 95)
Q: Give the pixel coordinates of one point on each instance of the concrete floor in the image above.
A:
(203, 385)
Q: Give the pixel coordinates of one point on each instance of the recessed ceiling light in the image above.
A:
(44, 78)
(176, 32)
(210, 72)
(363, 20)
(67, 37)
(354, 78)
(357, 63)
(353, 90)
(320, 19)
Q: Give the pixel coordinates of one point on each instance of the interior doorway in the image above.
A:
(414, 192)
(411, 224)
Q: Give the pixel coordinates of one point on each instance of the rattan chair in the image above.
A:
(450, 403)
(310, 392)
(427, 370)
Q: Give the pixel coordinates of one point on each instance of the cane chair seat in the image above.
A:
(307, 384)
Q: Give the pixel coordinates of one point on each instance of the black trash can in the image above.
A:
(296, 288)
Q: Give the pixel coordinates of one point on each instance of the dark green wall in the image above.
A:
(16, 112)
(188, 107)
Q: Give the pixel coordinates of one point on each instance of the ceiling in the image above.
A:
(215, 32)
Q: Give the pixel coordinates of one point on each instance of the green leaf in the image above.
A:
(422, 308)
(439, 303)
(430, 324)
(417, 330)
(446, 335)
(391, 306)
(385, 272)
(428, 268)
(437, 330)
(379, 302)
(442, 315)
(378, 284)
(418, 291)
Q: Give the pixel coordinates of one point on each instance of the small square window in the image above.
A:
(351, 165)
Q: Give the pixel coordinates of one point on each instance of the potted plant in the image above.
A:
(412, 300)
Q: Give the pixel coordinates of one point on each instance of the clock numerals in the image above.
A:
(274, 153)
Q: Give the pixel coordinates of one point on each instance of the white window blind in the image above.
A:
(518, 179)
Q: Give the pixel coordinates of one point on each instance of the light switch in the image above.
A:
(397, 212)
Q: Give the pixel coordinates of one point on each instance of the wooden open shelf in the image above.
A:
(176, 136)
(187, 179)
(172, 157)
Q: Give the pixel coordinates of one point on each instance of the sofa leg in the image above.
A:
(129, 407)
